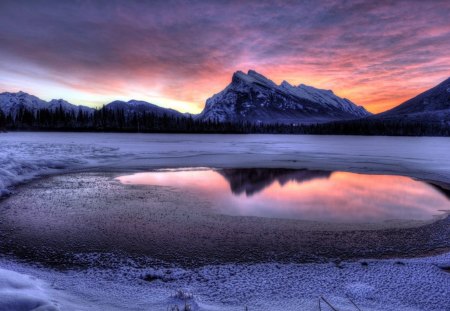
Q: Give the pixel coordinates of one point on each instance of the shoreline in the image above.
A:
(170, 225)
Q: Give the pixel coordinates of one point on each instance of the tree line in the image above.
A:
(109, 120)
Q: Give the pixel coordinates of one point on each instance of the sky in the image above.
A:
(179, 53)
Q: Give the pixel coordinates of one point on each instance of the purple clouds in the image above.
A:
(376, 53)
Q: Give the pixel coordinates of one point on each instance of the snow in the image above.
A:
(21, 292)
(9, 100)
(21, 160)
(24, 156)
(267, 101)
(325, 98)
(12, 102)
(260, 78)
(137, 106)
(393, 284)
(277, 103)
(406, 284)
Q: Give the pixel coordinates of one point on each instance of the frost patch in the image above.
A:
(22, 292)
(361, 290)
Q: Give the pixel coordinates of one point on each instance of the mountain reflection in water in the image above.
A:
(305, 194)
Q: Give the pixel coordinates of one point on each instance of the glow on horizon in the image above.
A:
(178, 54)
(48, 90)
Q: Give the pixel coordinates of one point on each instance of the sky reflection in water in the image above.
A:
(306, 195)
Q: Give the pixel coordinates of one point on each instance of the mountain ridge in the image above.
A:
(236, 103)
(11, 103)
(140, 106)
(254, 98)
(431, 105)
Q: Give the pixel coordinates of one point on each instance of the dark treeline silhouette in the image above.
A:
(107, 120)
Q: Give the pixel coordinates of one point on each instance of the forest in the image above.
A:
(108, 120)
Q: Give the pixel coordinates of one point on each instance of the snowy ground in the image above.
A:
(412, 284)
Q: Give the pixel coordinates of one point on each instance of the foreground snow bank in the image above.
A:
(420, 284)
(26, 155)
(23, 292)
(23, 158)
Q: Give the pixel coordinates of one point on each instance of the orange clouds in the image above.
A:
(178, 54)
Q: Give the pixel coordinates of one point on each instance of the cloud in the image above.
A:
(375, 53)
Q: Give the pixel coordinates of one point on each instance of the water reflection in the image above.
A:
(251, 181)
(303, 194)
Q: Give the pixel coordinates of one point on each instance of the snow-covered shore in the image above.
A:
(407, 284)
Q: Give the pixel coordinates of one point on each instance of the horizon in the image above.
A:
(176, 55)
(168, 107)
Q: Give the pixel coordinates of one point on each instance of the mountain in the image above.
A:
(136, 106)
(13, 102)
(254, 98)
(430, 106)
(251, 181)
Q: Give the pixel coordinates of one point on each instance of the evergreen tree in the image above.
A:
(108, 120)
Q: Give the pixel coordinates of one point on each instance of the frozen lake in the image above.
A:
(25, 155)
(121, 221)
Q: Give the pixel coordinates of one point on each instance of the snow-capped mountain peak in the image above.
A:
(13, 102)
(253, 97)
(324, 97)
(138, 106)
(252, 77)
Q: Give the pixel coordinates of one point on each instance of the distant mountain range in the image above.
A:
(136, 106)
(254, 99)
(11, 103)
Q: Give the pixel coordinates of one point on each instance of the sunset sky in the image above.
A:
(177, 54)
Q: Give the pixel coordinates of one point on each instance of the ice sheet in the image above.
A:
(25, 155)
